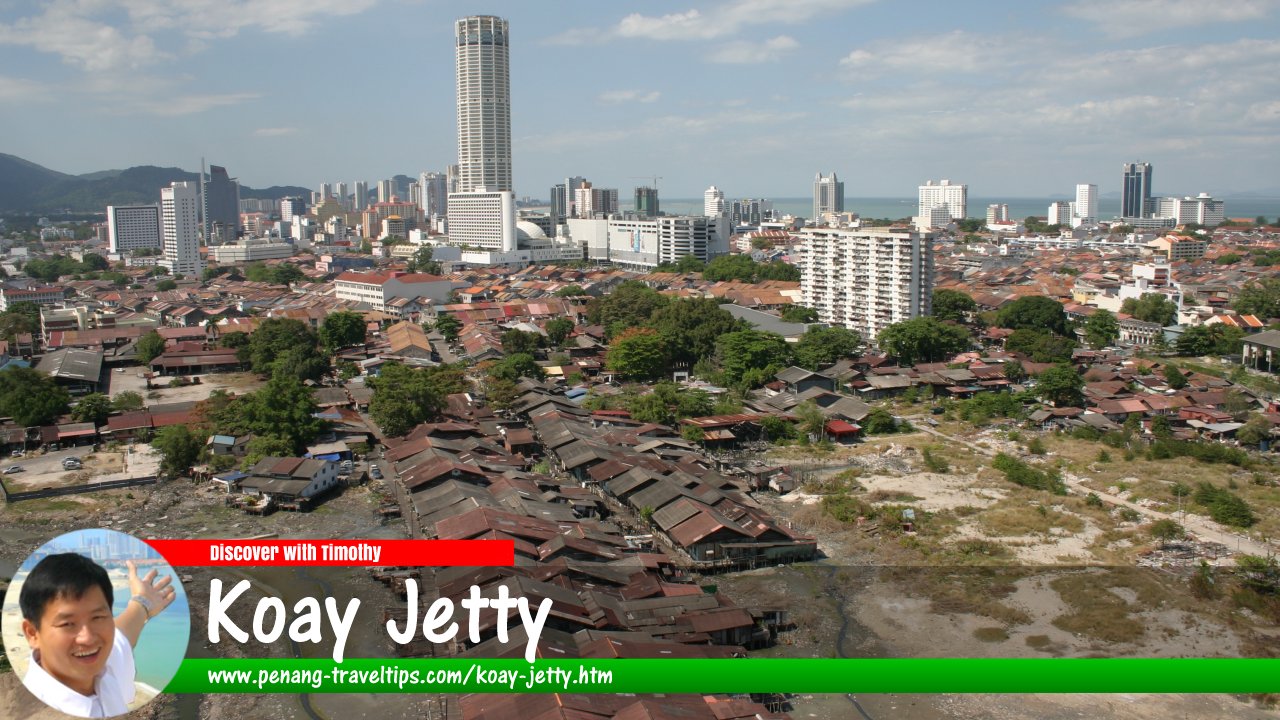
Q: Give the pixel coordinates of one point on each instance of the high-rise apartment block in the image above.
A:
(713, 202)
(484, 104)
(867, 279)
(433, 194)
(290, 207)
(483, 219)
(1085, 209)
(945, 194)
(997, 213)
(1201, 210)
(386, 190)
(180, 228)
(828, 195)
(589, 201)
(1059, 213)
(360, 201)
(1135, 197)
(133, 227)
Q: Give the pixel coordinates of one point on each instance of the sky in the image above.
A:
(1018, 99)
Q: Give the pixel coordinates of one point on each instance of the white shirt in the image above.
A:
(113, 687)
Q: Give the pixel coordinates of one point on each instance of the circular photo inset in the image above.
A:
(95, 622)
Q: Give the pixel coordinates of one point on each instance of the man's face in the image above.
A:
(74, 638)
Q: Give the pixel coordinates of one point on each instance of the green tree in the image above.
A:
(749, 358)
(1255, 431)
(284, 407)
(342, 329)
(179, 447)
(799, 314)
(514, 367)
(812, 421)
(501, 393)
(692, 433)
(94, 261)
(822, 346)
(694, 403)
(923, 339)
(273, 338)
(515, 342)
(1014, 372)
(631, 304)
(149, 347)
(403, 397)
(1101, 329)
(449, 327)
(1040, 346)
(570, 291)
(1216, 339)
(234, 340)
(879, 422)
(1261, 298)
(1166, 531)
(94, 408)
(1033, 312)
(1060, 385)
(303, 362)
(953, 305)
(31, 397)
(264, 446)
(127, 401)
(277, 274)
(638, 353)
(21, 318)
(650, 409)
(421, 262)
(689, 329)
(165, 285)
(1174, 378)
(775, 428)
(558, 330)
(1151, 307)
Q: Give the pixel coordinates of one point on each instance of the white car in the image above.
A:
(13, 469)
(72, 463)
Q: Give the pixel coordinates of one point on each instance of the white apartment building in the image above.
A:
(644, 244)
(133, 227)
(590, 201)
(483, 219)
(377, 289)
(997, 213)
(1201, 209)
(866, 279)
(37, 295)
(1085, 209)
(180, 223)
(713, 202)
(1059, 213)
(250, 250)
(954, 197)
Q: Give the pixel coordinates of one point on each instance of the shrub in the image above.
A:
(1104, 456)
(1036, 446)
(934, 463)
(1224, 506)
(1092, 500)
(1020, 473)
(1130, 515)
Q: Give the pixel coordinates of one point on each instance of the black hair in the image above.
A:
(62, 575)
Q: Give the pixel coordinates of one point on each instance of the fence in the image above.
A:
(13, 497)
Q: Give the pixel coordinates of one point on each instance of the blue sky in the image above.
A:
(754, 96)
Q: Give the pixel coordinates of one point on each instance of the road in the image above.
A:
(1203, 528)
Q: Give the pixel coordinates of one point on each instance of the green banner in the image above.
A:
(757, 675)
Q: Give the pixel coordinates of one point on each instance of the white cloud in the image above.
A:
(1139, 17)
(274, 132)
(744, 52)
(956, 51)
(616, 97)
(17, 90)
(722, 21)
(190, 104)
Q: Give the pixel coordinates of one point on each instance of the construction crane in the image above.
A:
(655, 179)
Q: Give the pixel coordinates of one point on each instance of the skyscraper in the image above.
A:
(361, 200)
(221, 207)
(828, 195)
(433, 192)
(133, 227)
(944, 194)
(713, 202)
(180, 228)
(484, 104)
(1135, 198)
(1086, 205)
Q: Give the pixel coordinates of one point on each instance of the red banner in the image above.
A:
(393, 553)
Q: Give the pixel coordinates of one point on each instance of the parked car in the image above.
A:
(71, 463)
(374, 472)
(13, 469)
(18, 453)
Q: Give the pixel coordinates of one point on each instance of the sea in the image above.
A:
(902, 207)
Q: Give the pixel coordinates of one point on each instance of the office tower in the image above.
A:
(484, 104)
(828, 195)
(133, 227)
(386, 190)
(1086, 206)
(344, 199)
(433, 194)
(646, 201)
(1059, 213)
(361, 200)
(221, 207)
(997, 212)
(748, 211)
(1135, 197)
(1201, 210)
(180, 228)
(562, 198)
(452, 173)
(326, 190)
(291, 206)
(866, 280)
(713, 202)
(953, 197)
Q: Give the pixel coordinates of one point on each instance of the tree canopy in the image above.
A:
(749, 358)
(403, 396)
(923, 339)
(292, 340)
(638, 353)
(1040, 346)
(631, 304)
(22, 317)
(284, 407)
(953, 305)
(558, 329)
(742, 267)
(799, 314)
(1101, 329)
(1261, 298)
(94, 408)
(824, 345)
(1215, 339)
(689, 328)
(515, 342)
(179, 447)
(1060, 385)
(1033, 312)
(31, 397)
(1151, 307)
(449, 327)
(342, 329)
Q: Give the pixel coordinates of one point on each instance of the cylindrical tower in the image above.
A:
(484, 104)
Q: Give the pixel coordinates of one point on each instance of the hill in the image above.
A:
(28, 187)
